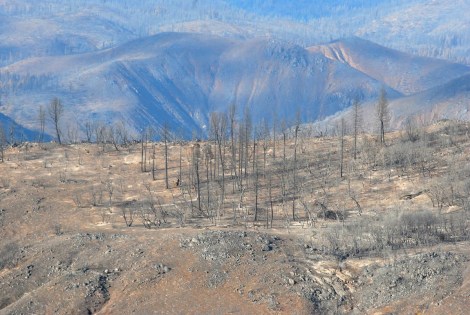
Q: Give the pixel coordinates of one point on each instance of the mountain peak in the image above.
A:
(406, 73)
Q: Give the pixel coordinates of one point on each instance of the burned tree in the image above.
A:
(383, 114)
(196, 156)
(342, 132)
(42, 123)
(232, 121)
(56, 111)
(294, 172)
(165, 135)
(219, 128)
(356, 122)
(3, 142)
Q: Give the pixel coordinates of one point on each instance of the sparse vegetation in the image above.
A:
(222, 156)
(387, 201)
(56, 111)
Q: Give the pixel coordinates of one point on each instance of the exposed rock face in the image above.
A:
(431, 273)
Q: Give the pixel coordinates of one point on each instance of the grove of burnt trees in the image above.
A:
(278, 173)
(235, 173)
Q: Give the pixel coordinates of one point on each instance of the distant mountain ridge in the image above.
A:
(61, 27)
(14, 132)
(179, 78)
(406, 73)
(447, 101)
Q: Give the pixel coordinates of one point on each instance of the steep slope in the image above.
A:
(15, 132)
(448, 101)
(404, 72)
(57, 27)
(24, 37)
(179, 78)
(428, 28)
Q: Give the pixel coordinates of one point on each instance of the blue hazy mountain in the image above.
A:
(51, 27)
(406, 73)
(152, 62)
(14, 132)
(179, 78)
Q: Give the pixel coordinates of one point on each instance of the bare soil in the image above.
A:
(65, 247)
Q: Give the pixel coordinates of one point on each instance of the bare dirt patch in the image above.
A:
(354, 245)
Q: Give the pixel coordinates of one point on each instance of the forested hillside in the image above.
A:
(434, 29)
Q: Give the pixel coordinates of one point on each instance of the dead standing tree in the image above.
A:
(294, 172)
(383, 114)
(256, 175)
(165, 135)
(196, 156)
(89, 129)
(42, 123)
(147, 134)
(208, 156)
(219, 128)
(356, 122)
(56, 111)
(3, 142)
(248, 129)
(232, 124)
(241, 155)
(342, 131)
(153, 162)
